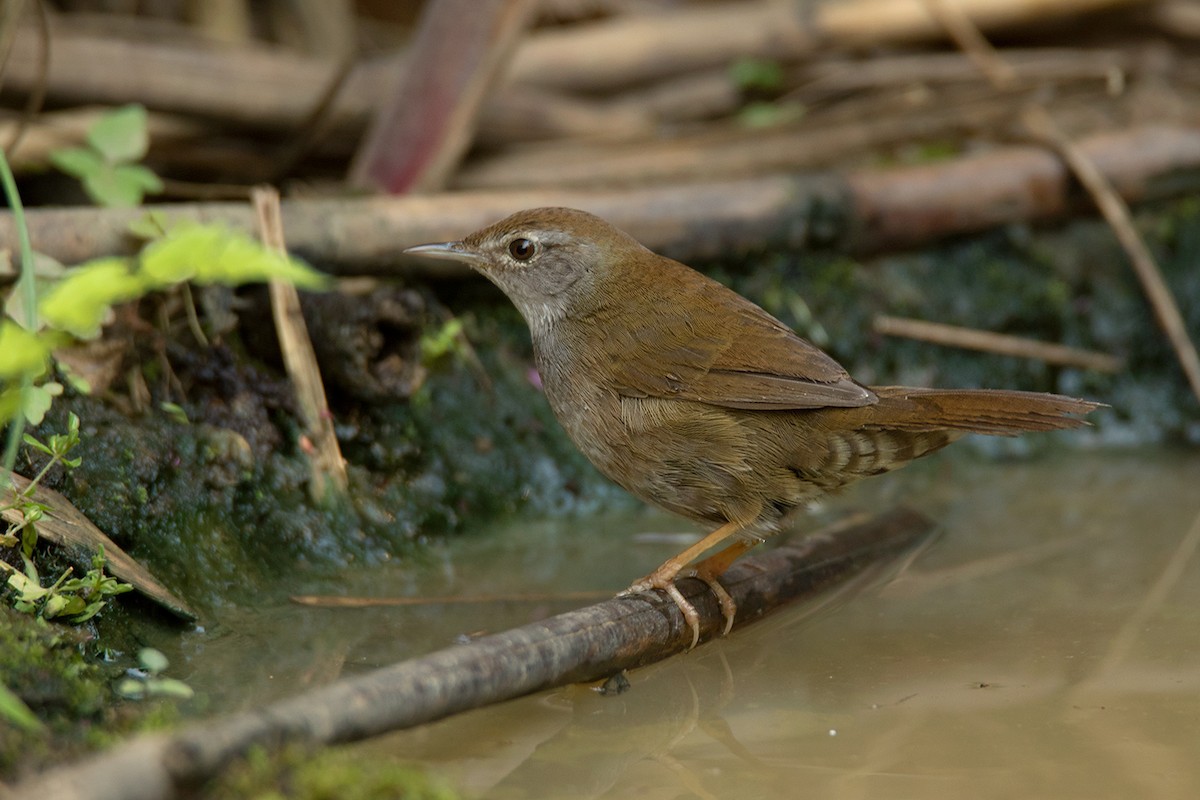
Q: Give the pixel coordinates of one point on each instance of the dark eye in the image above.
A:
(521, 249)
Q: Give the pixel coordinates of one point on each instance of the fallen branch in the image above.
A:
(67, 527)
(863, 211)
(588, 644)
(1003, 344)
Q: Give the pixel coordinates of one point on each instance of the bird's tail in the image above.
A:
(996, 412)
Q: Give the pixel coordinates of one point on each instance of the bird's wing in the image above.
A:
(739, 357)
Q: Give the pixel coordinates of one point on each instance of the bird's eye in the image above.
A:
(521, 249)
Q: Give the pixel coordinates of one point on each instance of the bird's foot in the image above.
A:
(728, 606)
(661, 580)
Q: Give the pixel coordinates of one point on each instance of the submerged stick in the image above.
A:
(583, 645)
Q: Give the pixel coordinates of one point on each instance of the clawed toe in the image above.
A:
(724, 599)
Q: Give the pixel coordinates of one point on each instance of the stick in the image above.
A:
(588, 644)
(861, 212)
(989, 342)
(326, 462)
(1116, 212)
(428, 121)
(1042, 125)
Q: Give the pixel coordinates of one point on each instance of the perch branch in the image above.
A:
(588, 644)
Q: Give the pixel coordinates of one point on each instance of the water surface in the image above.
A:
(1046, 645)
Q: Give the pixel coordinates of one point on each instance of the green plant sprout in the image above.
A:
(58, 447)
(149, 682)
(77, 599)
(107, 166)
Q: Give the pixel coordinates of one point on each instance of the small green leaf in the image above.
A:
(150, 226)
(78, 162)
(74, 379)
(36, 445)
(120, 136)
(757, 74)
(27, 589)
(14, 710)
(216, 254)
(170, 687)
(766, 115)
(80, 302)
(141, 177)
(175, 412)
(37, 401)
(109, 188)
(92, 609)
(131, 688)
(153, 661)
(22, 354)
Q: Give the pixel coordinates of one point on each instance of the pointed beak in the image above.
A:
(447, 251)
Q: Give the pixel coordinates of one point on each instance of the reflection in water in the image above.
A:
(1046, 646)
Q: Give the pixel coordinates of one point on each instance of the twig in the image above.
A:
(990, 342)
(340, 601)
(1039, 122)
(1116, 212)
(587, 644)
(964, 32)
(328, 467)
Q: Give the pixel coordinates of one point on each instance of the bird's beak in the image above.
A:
(447, 251)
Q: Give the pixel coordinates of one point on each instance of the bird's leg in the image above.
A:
(714, 567)
(664, 578)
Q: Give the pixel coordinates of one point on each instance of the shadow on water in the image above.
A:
(1047, 645)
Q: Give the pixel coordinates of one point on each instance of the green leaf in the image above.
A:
(92, 609)
(80, 302)
(153, 661)
(120, 136)
(216, 254)
(111, 188)
(78, 162)
(14, 710)
(37, 401)
(141, 177)
(121, 185)
(170, 687)
(27, 589)
(22, 354)
(175, 412)
(131, 688)
(150, 226)
(74, 379)
(757, 74)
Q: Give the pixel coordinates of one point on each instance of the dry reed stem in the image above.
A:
(328, 466)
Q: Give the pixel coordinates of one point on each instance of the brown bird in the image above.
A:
(694, 399)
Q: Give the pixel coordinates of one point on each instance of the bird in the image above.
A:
(696, 400)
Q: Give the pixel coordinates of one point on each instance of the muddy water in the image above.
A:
(1046, 645)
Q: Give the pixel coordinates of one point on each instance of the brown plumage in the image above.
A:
(697, 400)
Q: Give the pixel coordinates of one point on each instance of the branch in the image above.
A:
(584, 645)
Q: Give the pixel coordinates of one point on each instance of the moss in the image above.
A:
(54, 670)
(298, 774)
